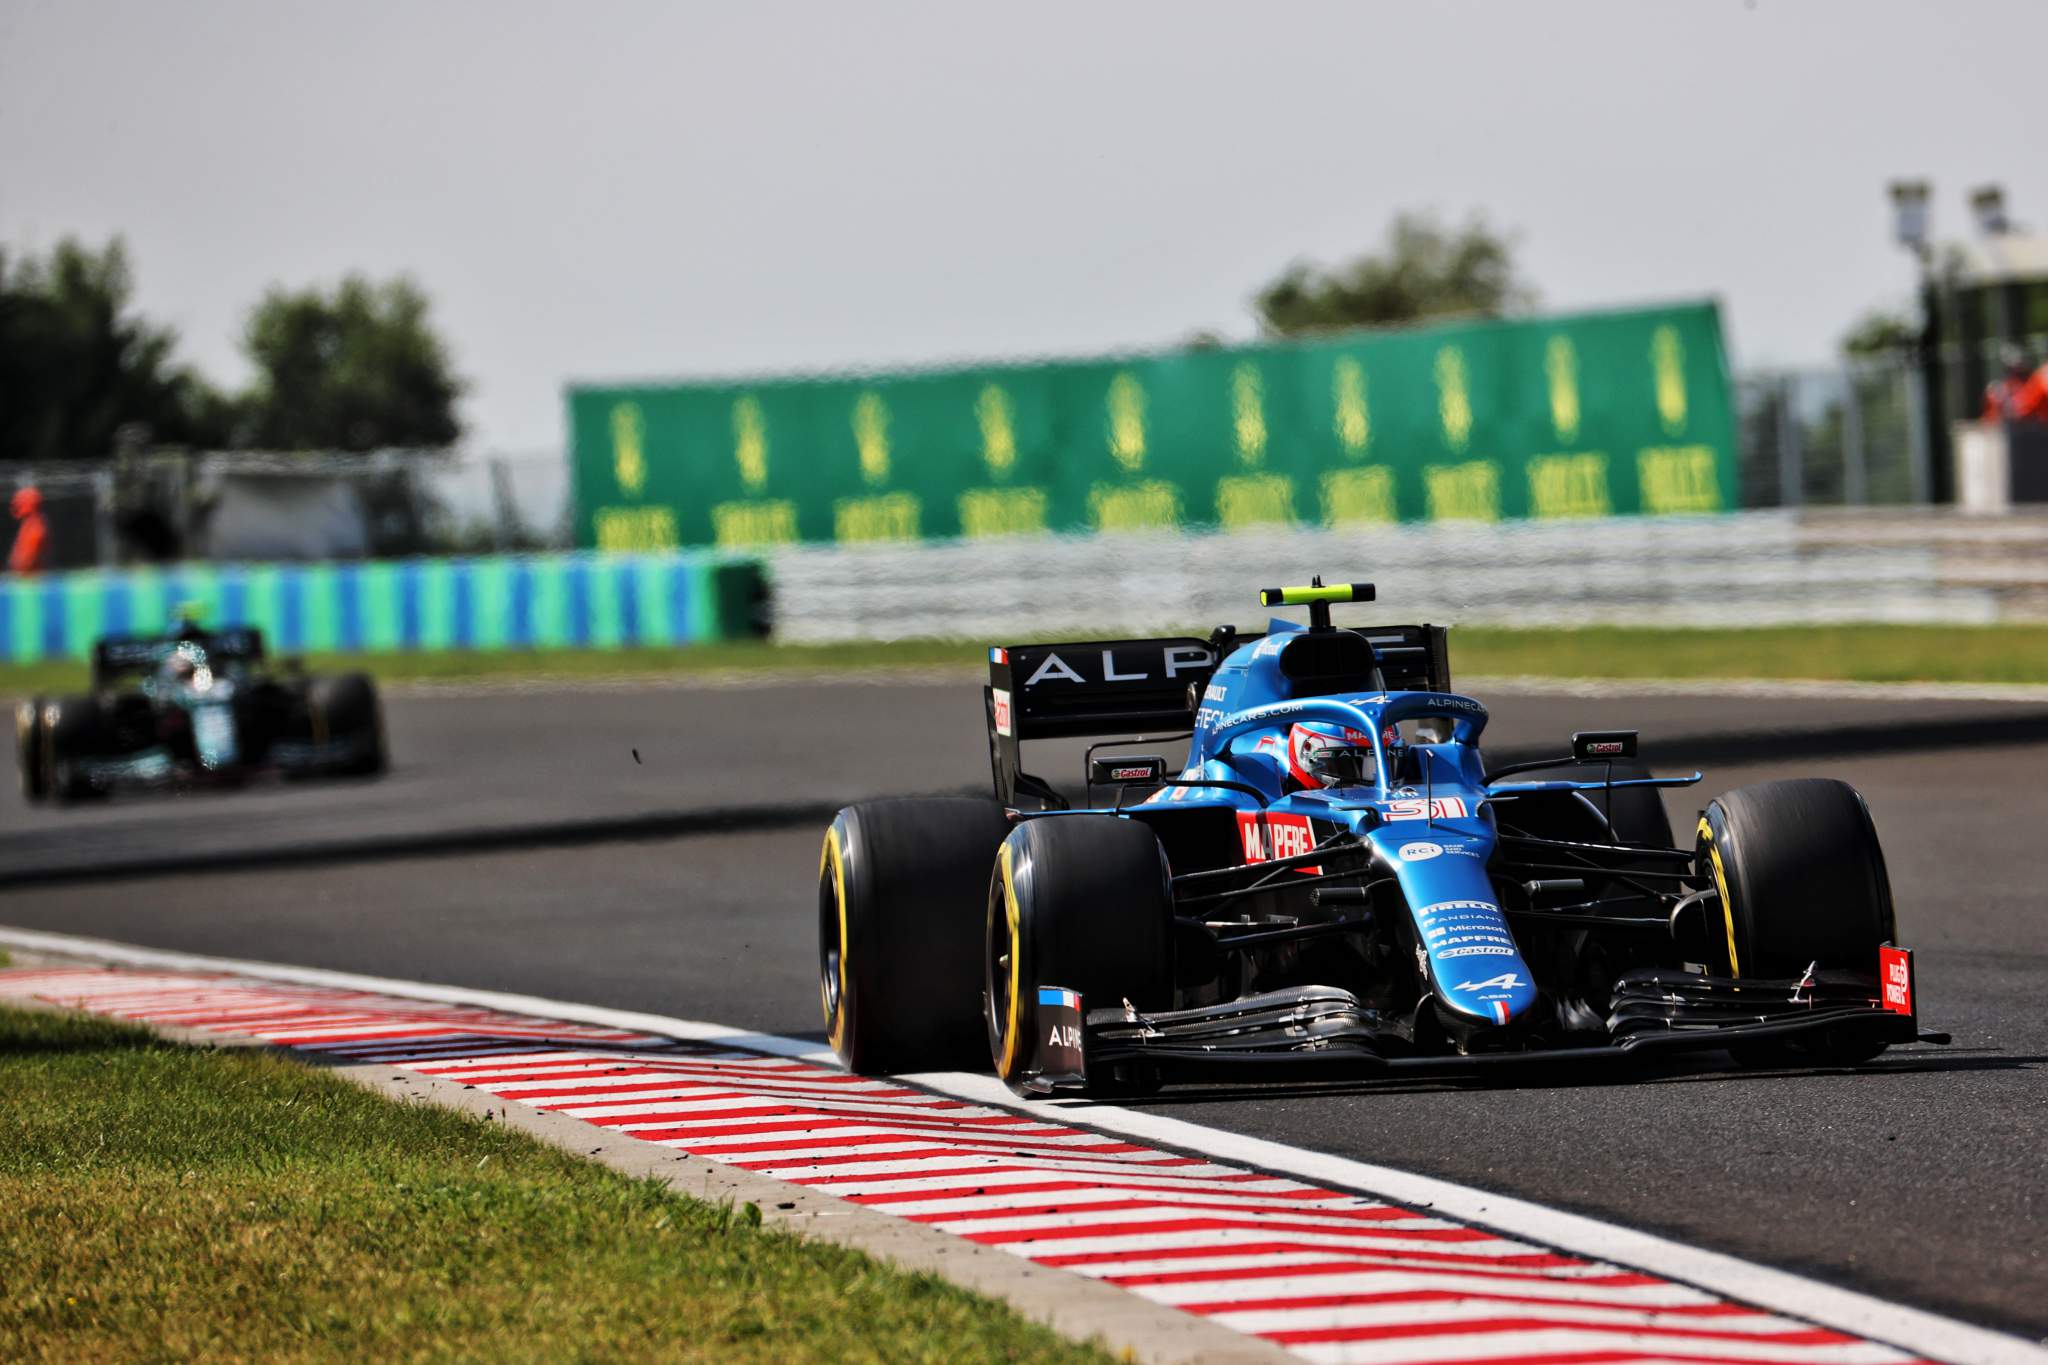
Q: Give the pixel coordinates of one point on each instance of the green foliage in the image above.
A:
(356, 369)
(1880, 334)
(1427, 269)
(359, 369)
(76, 366)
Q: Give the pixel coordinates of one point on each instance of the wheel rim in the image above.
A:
(1005, 984)
(828, 939)
(998, 952)
(832, 932)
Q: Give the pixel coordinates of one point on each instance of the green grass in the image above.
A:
(1856, 653)
(1863, 653)
(570, 665)
(163, 1202)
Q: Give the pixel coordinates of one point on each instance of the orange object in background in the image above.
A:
(2018, 397)
(27, 554)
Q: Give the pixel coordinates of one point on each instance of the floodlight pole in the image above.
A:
(1912, 226)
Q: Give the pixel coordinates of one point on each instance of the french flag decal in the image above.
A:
(1500, 1011)
(1063, 999)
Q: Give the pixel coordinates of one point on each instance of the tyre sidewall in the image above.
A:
(1801, 878)
(1083, 902)
(28, 747)
(905, 881)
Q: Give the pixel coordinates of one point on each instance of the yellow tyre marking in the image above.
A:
(1015, 1009)
(1727, 902)
(835, 1020)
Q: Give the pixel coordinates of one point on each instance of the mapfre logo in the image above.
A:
(1275, 836)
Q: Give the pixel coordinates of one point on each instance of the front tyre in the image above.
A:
(1079, 901)
(28, 749)
(72, 733)
(1802, 882)
(900, 890)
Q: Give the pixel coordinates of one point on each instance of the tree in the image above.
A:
(1426, 270)
(76, 366)
(1880, 335)
(358, 370)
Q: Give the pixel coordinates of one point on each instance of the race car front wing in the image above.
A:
(1321, 1033)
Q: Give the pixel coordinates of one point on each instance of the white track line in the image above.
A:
(1845, 1310)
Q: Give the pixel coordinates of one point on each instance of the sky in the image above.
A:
(635, 190)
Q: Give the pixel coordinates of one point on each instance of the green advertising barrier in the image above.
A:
(1588, 415)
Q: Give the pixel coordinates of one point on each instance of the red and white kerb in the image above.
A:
(1329, 1274)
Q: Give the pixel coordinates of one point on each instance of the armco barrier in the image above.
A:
(1752, 568)
(565, 601)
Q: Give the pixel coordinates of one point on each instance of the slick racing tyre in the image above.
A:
(28, 749)
(345, 707)
(71, 734)
(1079, 901)
(900, 890)
(1802, 882)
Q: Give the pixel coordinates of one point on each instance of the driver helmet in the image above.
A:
(1326, 754)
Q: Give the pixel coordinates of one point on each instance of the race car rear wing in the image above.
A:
(1089, 688)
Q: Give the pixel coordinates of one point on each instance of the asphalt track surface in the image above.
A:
(519, 845)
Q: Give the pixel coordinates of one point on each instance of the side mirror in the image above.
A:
(1591, 746)
(1123, 770)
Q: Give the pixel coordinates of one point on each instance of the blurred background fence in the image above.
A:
(1750, 568)
(1834, 523)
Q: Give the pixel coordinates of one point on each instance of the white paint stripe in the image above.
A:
(706, 1127)
(1139, 1181)
(1258, 1322)
(953, 1159)
(1243, 1223)
(1273, 1288)
(1059, 1242)
(1844, 1309)
(749, 1149)
(731, 1108)
(1228, 1277)
(738, 1114)
(1233, 1199)
(1566, 1341)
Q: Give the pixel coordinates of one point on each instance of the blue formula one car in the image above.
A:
(1337, 884)
(195, 707)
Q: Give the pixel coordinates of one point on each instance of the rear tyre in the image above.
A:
(28, 749)
(900, 890)
(1080, 901)
(345, 707)
(1802, 882)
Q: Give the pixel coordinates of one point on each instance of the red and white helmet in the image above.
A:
(1325, 754)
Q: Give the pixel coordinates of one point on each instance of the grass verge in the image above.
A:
(1856, 653)
(165, 1202)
